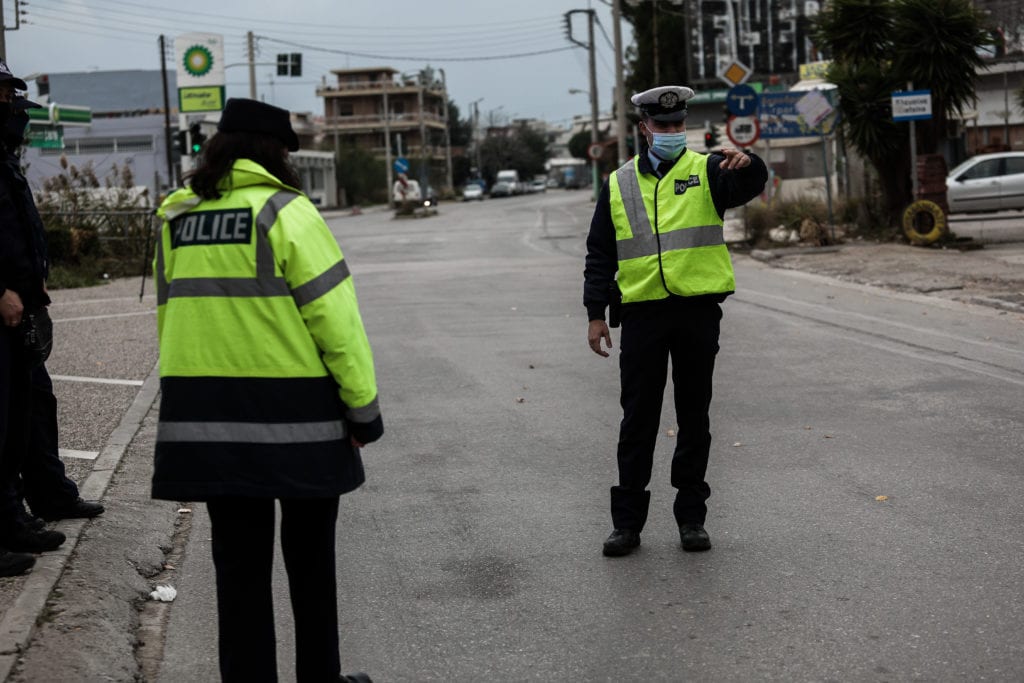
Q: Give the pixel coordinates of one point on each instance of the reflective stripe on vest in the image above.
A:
(644, 241)
(265, 284)
(250, 432)
(669, 237)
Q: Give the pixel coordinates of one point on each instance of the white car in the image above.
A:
(472, 191)
(987, 182)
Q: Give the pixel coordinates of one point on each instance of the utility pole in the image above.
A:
(251, 44)
(476, 137)
(620, 95)
(424, 175)
(167, 112)
(3, 34)
(387, 142)
(447, 135)
(595, 175)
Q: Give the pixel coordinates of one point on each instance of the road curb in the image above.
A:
(19, 622)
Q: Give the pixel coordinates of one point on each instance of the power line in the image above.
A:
(397, 58)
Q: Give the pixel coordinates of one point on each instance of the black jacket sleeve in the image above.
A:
(367, 432)
(735, 187)
(602, 258)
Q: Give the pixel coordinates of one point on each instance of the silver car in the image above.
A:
(987, 182)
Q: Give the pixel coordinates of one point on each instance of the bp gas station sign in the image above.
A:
(200, 71)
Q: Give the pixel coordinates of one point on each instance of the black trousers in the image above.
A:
(243, 555)
(15, 412)
(44, 481)
(689, 335)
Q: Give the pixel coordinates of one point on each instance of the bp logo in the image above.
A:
(198, 61)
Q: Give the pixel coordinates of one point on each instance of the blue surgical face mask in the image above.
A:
(668, 145)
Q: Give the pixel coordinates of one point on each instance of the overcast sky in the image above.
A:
(475, 43)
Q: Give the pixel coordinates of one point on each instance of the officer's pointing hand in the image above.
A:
(597, 331)
(734, 158)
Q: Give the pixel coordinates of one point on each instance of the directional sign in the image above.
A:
(912, 106)
(743, 131)
(741, 100)
(401, 165)
(780, 118)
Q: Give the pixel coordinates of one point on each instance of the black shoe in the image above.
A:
(24, 540)
(358, 677)
(79, 509)
(25, 519)
(621, 542)
(694, 537)
(14, 564)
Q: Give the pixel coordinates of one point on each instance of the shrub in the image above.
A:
(93, 228)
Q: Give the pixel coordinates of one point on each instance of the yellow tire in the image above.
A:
(924, 222)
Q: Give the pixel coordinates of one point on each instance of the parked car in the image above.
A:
(502, 188)
(472, 191)
(987, 182)
(538, 185)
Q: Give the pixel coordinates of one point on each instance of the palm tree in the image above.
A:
(878, 47)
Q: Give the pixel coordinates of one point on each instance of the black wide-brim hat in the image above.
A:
(249, 116)
(7, 77)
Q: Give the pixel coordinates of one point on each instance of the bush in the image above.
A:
(95, 229)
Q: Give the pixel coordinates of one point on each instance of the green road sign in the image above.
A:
(45, 136)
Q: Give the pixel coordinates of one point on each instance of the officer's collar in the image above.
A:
(647, 166)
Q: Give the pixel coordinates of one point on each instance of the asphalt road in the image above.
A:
(865, 480)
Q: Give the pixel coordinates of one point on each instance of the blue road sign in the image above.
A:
(401, 165)
(741, 100)
(780, 118)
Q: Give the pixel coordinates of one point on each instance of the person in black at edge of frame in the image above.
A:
(664, 272)
(23, 301)
(50, 494)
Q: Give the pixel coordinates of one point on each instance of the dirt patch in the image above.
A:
(991, 276)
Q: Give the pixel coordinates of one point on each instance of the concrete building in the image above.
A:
(127, 126)
(354, 115)
(128, 129)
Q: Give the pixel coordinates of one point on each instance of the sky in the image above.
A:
(512, 55)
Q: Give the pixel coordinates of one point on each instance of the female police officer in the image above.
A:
(268, 386)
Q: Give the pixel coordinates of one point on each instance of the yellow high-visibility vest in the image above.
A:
(263, 355)
(668, 234)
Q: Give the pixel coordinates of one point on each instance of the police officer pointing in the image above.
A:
(656, 240)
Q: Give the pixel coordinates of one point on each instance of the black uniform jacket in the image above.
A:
(729, 188)
(23, 262)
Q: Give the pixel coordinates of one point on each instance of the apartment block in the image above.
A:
(354, 111)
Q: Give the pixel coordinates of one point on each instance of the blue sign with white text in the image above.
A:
(779, 118)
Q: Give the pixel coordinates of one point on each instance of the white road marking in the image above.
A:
(101, 317)
(98, 380)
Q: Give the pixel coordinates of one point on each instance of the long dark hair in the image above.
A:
(222, 150)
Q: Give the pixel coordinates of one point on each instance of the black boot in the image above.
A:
(621, 542)
(15, 564)
(24, 540)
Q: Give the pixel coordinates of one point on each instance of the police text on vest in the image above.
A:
(232, 226)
